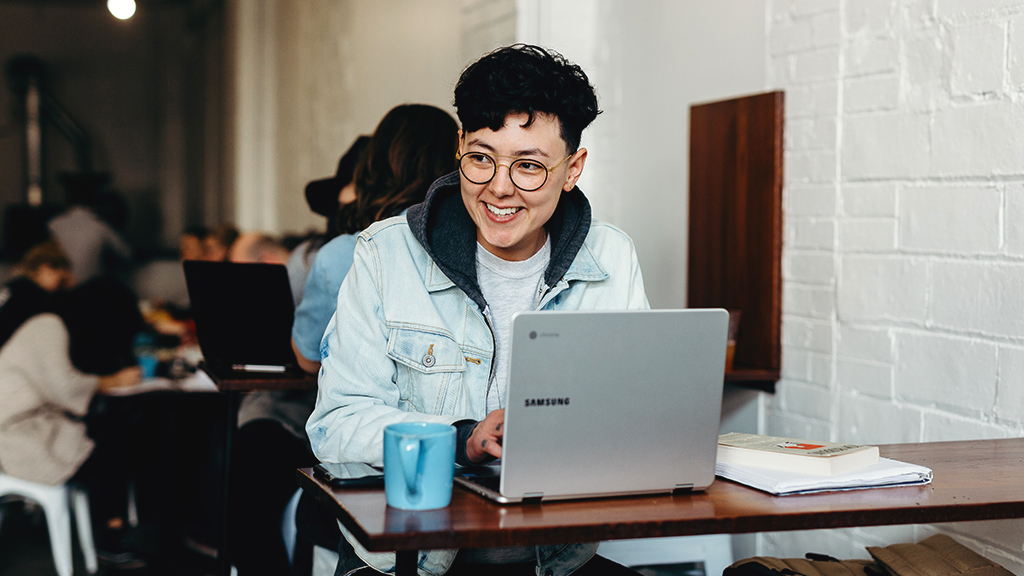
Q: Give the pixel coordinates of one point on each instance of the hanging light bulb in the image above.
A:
(121, 9)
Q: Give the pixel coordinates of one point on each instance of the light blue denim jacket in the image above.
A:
(412, 292)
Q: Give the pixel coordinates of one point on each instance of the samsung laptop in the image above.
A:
(608, 403)
(243, 315)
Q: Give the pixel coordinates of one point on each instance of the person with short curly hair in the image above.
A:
(527, 80)
(421, 332)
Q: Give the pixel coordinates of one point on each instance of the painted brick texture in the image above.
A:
(903, 254)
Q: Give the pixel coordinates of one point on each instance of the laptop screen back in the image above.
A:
(613, 402)
(243, 312)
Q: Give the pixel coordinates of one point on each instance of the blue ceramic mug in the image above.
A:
(419, 463)
(148, 363)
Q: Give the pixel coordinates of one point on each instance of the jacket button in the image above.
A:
(428, 360)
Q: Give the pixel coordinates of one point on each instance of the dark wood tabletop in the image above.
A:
(973, 480)
(253, 381)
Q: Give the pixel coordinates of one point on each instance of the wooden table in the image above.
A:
(234, 386)
(973, 480)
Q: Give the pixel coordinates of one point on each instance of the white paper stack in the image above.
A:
(885, 473)
(198, 382)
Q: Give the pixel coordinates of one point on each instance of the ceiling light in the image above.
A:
(121, 9)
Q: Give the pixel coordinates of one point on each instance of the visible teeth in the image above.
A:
(501, 211)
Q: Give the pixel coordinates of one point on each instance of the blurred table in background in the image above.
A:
(233, 385)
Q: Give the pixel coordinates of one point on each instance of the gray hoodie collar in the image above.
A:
(444, 228)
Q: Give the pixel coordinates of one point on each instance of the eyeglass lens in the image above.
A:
(527, 175)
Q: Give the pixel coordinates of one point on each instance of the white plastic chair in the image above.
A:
(57, 502)
(289, 530)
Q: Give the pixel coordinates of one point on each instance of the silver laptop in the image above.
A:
(608, 403)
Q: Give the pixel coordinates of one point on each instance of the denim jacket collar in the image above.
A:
(452, 246)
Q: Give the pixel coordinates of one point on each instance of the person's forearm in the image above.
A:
(306, 364)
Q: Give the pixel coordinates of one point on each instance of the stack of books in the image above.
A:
(785, 466)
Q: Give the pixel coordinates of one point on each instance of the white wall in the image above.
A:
(903, 254)
(650, 61)
(314, 75)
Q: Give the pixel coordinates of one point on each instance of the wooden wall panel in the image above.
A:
(735, 234)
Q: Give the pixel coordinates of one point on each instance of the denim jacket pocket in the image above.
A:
(430, 369)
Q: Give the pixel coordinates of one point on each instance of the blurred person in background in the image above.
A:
(50, 369)
(88, 240)
(325, 197)
(408, 151)
(218, 241)
(41, 273)
(413, 145)
(190, 243)
(257, 248)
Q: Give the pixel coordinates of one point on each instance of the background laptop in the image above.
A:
(609, 403)
(243, 315)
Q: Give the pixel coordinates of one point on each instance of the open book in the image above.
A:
(884, 473)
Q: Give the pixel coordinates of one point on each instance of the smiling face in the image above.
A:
(510, 222)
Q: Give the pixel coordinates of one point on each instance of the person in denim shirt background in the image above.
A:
(411, 147)
(429, 297)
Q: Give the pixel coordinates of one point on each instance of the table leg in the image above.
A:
(230, 424)
(405, 562)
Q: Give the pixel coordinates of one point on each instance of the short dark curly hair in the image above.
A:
(523, 78)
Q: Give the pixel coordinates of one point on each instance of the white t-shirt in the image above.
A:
(508, 287)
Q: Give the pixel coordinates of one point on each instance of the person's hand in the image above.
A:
(125, 377)
(486, 437)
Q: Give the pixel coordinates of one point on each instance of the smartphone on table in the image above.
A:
(349, 475)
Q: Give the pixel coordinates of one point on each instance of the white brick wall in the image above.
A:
(1017, 53)
(869, 378)
(879, 421)
(883, 288)
(982, 298)
(903, 254)
(1014, 235)
(978, 139)
(1010, 390)
(951, 373)
(961, 220)
(870, 139)
(979, 58)
(872, 94)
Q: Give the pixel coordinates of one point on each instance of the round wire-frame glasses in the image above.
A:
(526, 174)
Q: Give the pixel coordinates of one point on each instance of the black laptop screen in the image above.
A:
(243, 312)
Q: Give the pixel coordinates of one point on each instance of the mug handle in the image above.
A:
(409, 455)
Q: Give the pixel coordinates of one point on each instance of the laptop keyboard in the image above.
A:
(482, 476)
(489, 482)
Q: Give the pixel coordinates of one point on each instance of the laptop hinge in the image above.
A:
(680, 488)
(532, 497)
